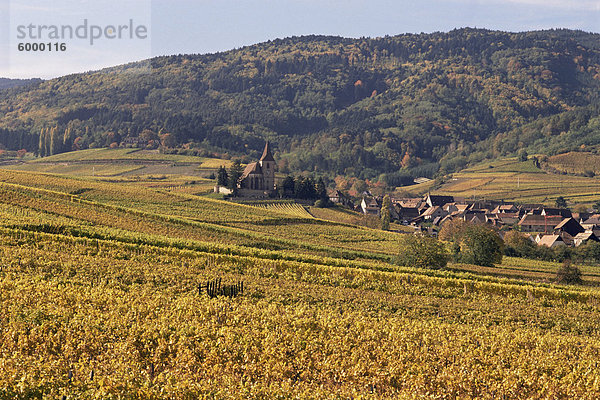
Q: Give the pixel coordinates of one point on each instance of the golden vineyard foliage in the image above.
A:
(101, 300)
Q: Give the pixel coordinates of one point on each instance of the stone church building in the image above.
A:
(258, 179)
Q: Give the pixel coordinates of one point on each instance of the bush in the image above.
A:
(421, 252)
(523, 155)
(568, 273)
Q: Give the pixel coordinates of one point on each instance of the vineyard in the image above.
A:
(285, 207)
(109, 290)
(122, 163)
(521, 182)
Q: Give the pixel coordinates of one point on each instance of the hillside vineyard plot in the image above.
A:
(112, 320)
(99, 298)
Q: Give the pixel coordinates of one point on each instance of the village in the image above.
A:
(543, 225)
(546, 226)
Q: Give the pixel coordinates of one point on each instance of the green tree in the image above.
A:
(222, 176)
(480, 245)
(235, 173)
(421, 252)
(385, 213)
(321, 191)
(589, 251)
(304, 188)
(518, 244)
(41, 143)
(286, 188)
(561, 202)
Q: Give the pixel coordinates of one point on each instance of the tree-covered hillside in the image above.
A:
(6, 83)
(408, 105)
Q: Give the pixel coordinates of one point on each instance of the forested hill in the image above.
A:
(6, 83)
(402, 105)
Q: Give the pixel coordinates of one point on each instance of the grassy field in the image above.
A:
(99, 298)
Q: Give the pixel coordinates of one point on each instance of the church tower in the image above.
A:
(267, 164)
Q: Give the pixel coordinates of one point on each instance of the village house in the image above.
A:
(417, 202)
(551, 241)
(539, 223)
(570, 226)
(434, 212)
(337, 197)
(591, 222)
(505, 209)
(439, 201)
(370, 206)
(406, 214)
(585, 237)
(547, 211)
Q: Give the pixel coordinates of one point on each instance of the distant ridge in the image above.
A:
(387, 109)
(6, 83)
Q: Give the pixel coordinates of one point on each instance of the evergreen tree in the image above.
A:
(561, 202)
(41, 142)
(235, 172)
(385, 213)
(222, 176)
(287, 187)
(321, 190)
(53, 140)
(47, 136)
(304, 188)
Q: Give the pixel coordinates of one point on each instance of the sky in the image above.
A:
(206, 26)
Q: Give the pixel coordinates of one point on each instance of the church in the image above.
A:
(258, 179)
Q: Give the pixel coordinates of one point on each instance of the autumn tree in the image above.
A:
(168, 140)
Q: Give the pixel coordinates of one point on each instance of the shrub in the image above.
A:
(568, 273)
(523, 155)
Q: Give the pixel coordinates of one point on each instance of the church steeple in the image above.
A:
(267, 164)
(267, 155)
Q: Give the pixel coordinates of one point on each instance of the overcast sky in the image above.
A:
(201, 26)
